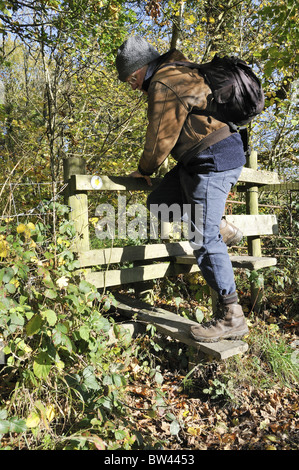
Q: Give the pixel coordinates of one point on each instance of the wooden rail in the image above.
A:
(81, 182)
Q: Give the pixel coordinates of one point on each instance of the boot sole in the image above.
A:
(231, 336)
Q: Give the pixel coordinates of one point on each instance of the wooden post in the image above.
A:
(254, 243)
(163, 169)
(77, 201)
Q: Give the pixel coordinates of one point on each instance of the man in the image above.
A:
(210, 158)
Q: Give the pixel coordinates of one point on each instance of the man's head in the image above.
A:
(133, 55)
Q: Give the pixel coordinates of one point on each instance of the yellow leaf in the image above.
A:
(194, 431)
(59, 364)
(33, 420)
(21, 228)
(190, 20)
(50, 413)
(27, 233)
(4, 249)
(31, 226)
(15, 282)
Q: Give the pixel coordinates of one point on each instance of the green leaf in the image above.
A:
(15, 321)
(85, 287)
(57, 337)
(6, 275)
(11, 288)
(3, 414)
(120, 434)
(117, 380)
(67, 343)
(107, 380)
(60, 337)
(50, 317)
(33, 326)
(42, 365)
(17, 425)
(50, 293)
(199, 315)
(90, 380)
(4, 426)
(84, 332)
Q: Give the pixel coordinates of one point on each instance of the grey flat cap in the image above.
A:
(132, 55)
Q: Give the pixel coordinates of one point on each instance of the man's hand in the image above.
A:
(136, 174)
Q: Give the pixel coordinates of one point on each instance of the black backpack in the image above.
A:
(237, 95)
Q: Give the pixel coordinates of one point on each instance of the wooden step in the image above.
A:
(250, 225)
(119, 277)
(133, 253)
(244, 262)
(254, 225)
(176, 327)
(182, 265)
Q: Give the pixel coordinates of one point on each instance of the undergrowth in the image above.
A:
(74, 378)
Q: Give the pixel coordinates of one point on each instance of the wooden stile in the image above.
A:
(138, 264)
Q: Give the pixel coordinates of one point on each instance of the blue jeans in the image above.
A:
(185, 185)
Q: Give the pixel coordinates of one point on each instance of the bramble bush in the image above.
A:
(54, 329)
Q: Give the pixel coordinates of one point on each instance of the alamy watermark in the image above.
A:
(134, 221)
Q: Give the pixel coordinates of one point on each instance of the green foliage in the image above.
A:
(50, 320)
(62, 96)
(68, 364)
(10, 425)
(218, 390)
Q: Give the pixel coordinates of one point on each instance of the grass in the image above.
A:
(269, 363)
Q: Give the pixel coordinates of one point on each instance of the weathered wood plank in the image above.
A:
(250, 225)
(252, 262)
(280, 187)
(125, 183)
(78, 203)
(177, 327)
(112, 183)
(253, 241)
(182, 265)
(253, 225)
(263, 177)
(118, 277)
(133, 253)
(244, 262)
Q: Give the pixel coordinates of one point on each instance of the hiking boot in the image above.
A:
(231, 235)
(229, 323)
